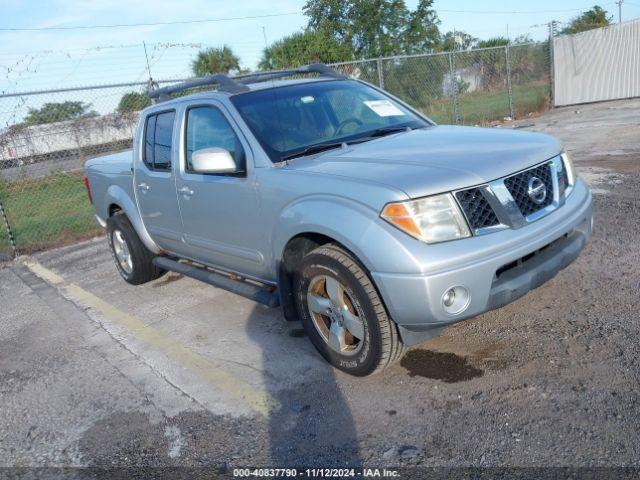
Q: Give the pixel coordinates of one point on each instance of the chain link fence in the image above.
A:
(45, 139)
(46, 136)
(470, 87)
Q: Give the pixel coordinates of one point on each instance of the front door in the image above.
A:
(154, 182)
(219, 210)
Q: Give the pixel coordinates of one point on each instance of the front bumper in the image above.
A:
(495, 269)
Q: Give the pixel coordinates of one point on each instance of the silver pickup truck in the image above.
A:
(331, 198)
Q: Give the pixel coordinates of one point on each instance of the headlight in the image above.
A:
(568, 165)
(430, 219)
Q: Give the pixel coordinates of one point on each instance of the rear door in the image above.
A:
(219, 211)
(154, 180)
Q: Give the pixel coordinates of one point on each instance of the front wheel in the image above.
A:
(343, 314)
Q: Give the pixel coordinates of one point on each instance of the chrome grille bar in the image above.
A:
(506, 208)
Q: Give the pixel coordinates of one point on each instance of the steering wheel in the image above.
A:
(346, 122)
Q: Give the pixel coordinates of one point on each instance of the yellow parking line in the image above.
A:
(214, 375)
(45, 274)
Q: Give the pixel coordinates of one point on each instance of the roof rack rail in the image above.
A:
(226, 85)
(238, 83)
(319, 68)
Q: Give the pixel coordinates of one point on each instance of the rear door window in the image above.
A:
(159, 141)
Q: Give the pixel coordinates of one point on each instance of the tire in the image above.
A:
(122, 237)
(314, 288)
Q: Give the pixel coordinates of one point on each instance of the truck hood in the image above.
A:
(435, 159)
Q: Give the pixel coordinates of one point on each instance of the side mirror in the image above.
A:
(212, 160)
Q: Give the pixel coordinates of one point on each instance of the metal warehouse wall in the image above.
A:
(601, 64)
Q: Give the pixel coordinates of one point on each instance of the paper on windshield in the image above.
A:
(383, 108)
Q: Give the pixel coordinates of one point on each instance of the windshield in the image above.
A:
(288, 120)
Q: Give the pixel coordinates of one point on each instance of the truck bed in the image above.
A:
(109, 171)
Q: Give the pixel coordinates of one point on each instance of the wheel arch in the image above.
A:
(315, 220)
(117, 200)
(112, 209)
(292, 254)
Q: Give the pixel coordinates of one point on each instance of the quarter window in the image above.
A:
(149, 137)
(158, 141)
(207, 128)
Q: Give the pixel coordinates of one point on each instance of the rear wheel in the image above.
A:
(133, 260)
(343, 314)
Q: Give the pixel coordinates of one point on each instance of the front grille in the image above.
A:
(476, 208)
(518, 186)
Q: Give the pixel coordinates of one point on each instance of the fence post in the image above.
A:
(8, 228)
(512, 112)
(380, 73)
(454, 85)
(552, 28)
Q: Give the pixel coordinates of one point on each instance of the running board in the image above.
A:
(239, 287)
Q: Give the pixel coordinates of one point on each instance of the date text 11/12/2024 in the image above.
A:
(316, 472)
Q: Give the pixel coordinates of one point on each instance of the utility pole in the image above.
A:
(151, 85)
(146, 56)
(619, 2)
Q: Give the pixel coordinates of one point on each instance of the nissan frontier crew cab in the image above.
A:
(341, 204)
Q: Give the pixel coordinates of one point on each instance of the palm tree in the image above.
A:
(215, 60)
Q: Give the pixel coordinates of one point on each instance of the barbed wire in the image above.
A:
(93, 63)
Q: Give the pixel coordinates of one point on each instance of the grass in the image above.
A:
(46, 212)
(481, 108)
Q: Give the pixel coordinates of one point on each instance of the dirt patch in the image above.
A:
(600, 180)
(620, 163)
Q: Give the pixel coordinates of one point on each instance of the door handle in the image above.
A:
(186, 191)
(143, 186)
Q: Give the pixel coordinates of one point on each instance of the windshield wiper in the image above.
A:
(321, 147)
(381, 132)
(315, 148)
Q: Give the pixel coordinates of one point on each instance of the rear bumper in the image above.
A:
(494, 273)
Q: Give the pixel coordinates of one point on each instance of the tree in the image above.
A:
(133, 102)
(422, 33)
(376, 28)
(58, 112)
(215, 60)
(310, 46)
(594, 18)
(492, 42)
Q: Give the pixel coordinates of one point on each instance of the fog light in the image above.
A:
(449, 297)
(455, 300)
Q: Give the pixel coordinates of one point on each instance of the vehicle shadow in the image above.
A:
(312, 425)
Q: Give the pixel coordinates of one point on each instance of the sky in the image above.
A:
(72, 56)
(66, 57)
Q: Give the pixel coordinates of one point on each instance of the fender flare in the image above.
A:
(118, 196)
(354, 225)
